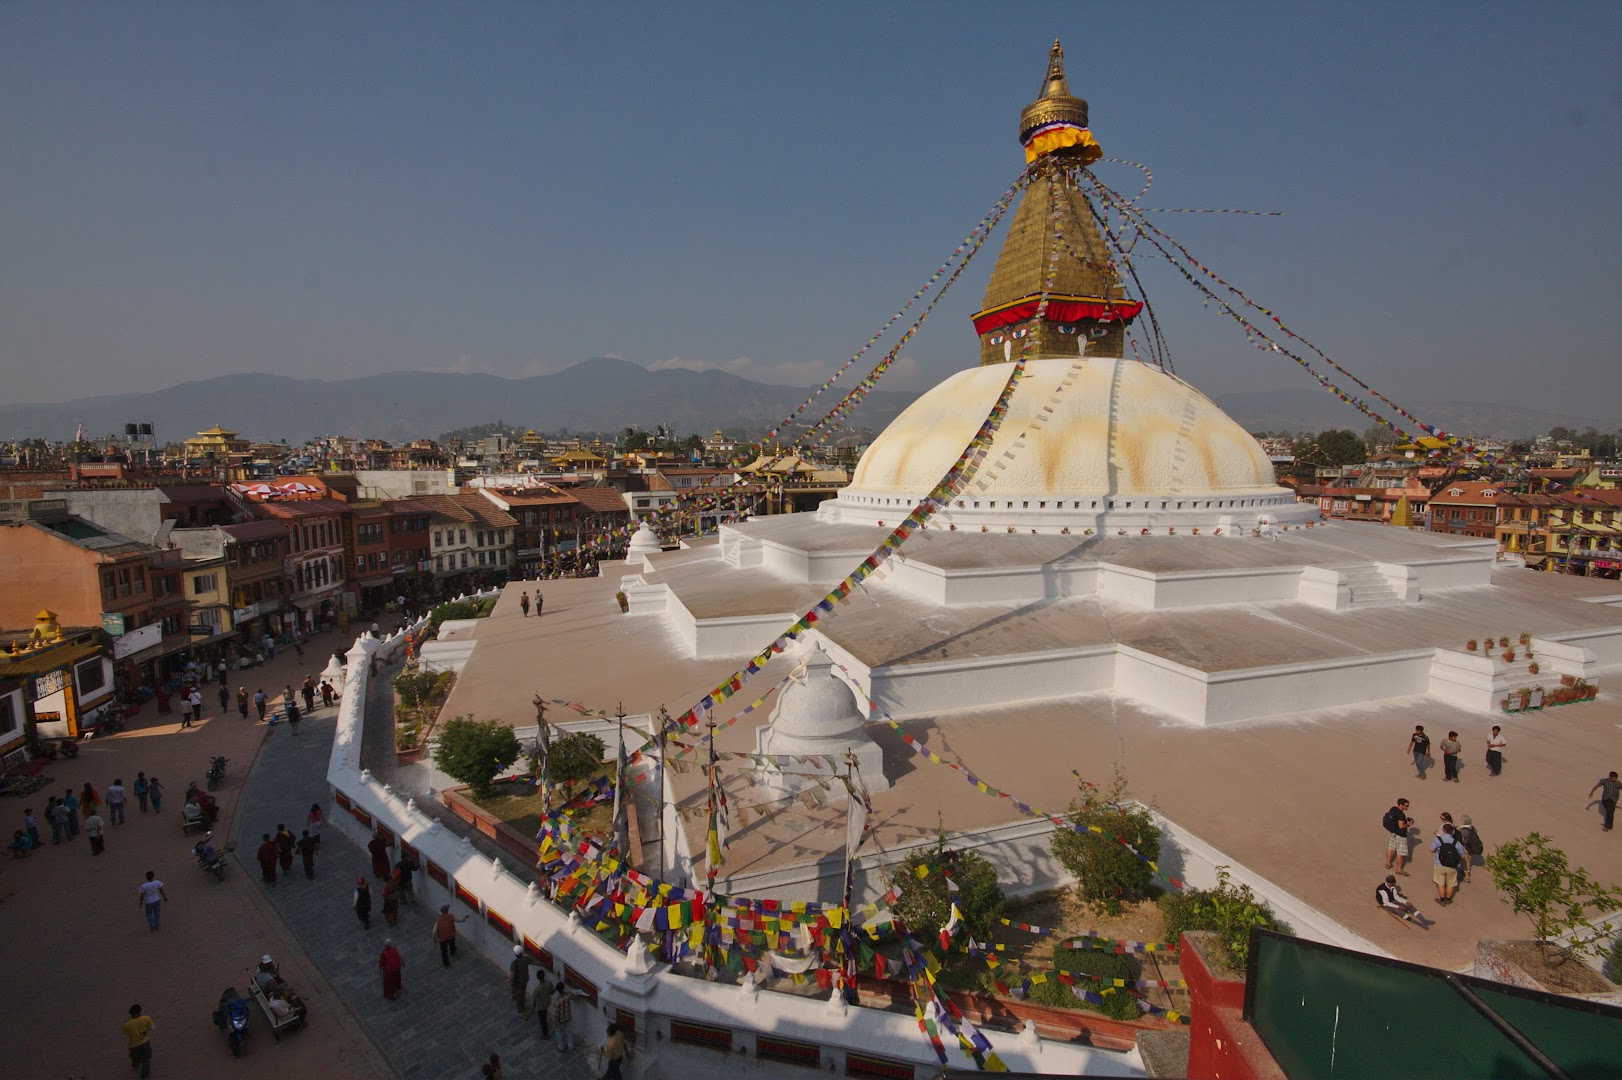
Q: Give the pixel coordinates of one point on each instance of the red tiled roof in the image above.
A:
(300, 508)
(255, 530)
(600, 500)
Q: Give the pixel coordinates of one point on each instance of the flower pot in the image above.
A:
(1567, 680)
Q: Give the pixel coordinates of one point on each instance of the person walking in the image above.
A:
(1397, 823)
(259, 704)
(306, 850)
(389, 962)
(196, 704)
(284, 849)
(292, 717)
(71, 801)
(138, 1034)
(154, 790)
(31, 826)
(185, 709)
(115, 802)
(404, 869)
(1451, 749)
(242, 701)
(89, 801)
(57, 814)
(362, 902)
(225, 698)
(1447, 857)
(267, 859)
(562, 1014)
(1419, 747)
(1610, 788)
(518, 978)
(94, 827)
(1495, 751)
(1470, 840)
(151, 898)
(327, 694)
(141, 789)
(164, 707)
(308, 690)
(315, 821)
(541, 1002)
(615, 1053)
(445, 933)
(220, 671)
(523, 602)
(379, 848)
(391, 899)
(540, 602)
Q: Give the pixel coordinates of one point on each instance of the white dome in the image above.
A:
(1084, 440)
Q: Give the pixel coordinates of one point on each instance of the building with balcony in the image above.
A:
(313, 571)
(1466, 508)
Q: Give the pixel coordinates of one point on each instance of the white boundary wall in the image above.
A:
(650, 994)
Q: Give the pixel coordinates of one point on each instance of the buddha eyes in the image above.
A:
(998, 339)
(1067, 328)
(1023, 331)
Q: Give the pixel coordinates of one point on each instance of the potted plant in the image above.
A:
(1524, 695)
(1503, 642)
(1567, 680)
(1509, 656)
(1526, 638)
(624, 603)
(1532, 667)
(1471, 644)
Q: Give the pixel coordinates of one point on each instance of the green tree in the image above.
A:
(925, 903)
(1562, 434)
(1229, 911)
(474, 751)
(1377, 438)
(1106, 872)
(1540, 883)
(1336, 447)
(575, 756)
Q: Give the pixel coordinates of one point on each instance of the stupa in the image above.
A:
(1126, 536)
(818, 728)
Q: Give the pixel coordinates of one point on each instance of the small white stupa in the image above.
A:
(817, 716)
(643, 543)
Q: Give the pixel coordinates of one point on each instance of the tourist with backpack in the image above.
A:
(1419, 746)
(1470, 839)
(1448, 856)
(1396, 823)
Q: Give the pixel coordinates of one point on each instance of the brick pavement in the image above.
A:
(446, 1021)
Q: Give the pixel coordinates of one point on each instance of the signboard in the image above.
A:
(113, 623)
(1607, 564)
(135, 640)
(49, 682)
(243, 614)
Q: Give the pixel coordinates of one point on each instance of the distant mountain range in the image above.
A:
(606, 394)
(601, 394)
(1315, 410)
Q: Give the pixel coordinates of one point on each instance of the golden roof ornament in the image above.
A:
(1056, 122)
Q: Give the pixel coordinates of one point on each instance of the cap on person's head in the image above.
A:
(388, 943)
(265, 959)
(1464, 819)
(518, 950)
(1391, 879)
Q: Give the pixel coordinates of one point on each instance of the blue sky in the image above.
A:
(323, 189)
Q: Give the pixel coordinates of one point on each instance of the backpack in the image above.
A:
(1448, 854)
(1390, 820)
(1472, 840)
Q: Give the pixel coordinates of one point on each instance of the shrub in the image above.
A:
(1229, 911)
(474, 751)
(1107, 873)
(574, 757)
(1120, 1005)
(1613, 960)
(1540, 883)
(925, 903)
(456, 609)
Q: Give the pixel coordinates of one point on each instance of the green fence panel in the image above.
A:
(1586, 1043)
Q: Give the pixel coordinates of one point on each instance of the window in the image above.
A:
(90, 676)
(464, 560)
(203, 583)
(360, 563)
(439, 538)
(172, 624)
(11, 715)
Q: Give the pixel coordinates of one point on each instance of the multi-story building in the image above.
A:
(313, 573)
(142, 512)
(371, 579)
(56, 681)
(472, 541)
(545, 521)
(233, 575)
(1466, 508)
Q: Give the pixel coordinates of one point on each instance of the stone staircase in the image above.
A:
(1369, 588)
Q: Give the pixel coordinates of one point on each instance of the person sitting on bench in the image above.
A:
(1390, 897)
(276, 990)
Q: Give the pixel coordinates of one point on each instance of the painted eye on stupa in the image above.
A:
(1022, 332)
(1067, 328)
(998, 339)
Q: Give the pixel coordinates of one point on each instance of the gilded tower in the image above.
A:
(1087, 309)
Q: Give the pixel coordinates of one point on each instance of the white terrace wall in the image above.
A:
(660, 1005)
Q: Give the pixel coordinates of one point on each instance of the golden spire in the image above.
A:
(1056, 122)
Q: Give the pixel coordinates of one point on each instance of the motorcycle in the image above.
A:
(216, 772)
(232, 1019)
(211, 860)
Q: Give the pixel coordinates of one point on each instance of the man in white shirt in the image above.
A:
(151, 893)
(1495, 751)
(1389, 896)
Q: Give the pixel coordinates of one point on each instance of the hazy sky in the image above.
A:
(323, 189)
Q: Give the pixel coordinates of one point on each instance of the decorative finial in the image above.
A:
(1055, 85)
(1056, 122)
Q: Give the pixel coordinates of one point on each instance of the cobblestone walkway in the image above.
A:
(446, 1020)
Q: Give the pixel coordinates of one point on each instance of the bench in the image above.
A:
(278, 1024)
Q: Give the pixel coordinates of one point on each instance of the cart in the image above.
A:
(278, 1024)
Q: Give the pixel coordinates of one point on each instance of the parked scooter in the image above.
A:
(216, 772)
(232, 1019)
(211, 860)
